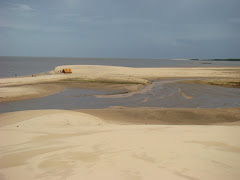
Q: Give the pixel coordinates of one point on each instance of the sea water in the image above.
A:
(22, 66)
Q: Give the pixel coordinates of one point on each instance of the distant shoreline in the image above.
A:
(216, 59)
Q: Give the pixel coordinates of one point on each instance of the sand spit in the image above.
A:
(60, 144)
(20, 92)
(131, 78)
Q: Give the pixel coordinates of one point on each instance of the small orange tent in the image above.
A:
(67, 71)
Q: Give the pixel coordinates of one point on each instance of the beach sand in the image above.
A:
(61, 144)
(118, 142)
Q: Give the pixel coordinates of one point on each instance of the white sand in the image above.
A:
(56, 144)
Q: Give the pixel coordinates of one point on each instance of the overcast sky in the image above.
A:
(120, 28)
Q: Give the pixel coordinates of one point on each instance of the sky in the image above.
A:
(120, 28)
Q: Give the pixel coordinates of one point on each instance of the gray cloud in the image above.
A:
(18, 7)
(135, 28)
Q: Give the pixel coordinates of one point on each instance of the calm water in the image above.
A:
(169, 94)
(9, 66)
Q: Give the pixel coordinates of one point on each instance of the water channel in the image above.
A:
(164, 93)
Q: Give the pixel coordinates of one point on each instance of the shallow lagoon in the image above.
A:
(165, 93)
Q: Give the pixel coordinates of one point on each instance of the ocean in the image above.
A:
(22, 66)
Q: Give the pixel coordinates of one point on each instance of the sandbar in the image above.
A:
(108, 77)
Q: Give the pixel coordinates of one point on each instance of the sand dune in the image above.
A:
(56, 144)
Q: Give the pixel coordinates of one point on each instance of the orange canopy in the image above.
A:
(67, 71)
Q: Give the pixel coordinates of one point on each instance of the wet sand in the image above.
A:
(38, 90)
(137, 116)
(167, 116)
